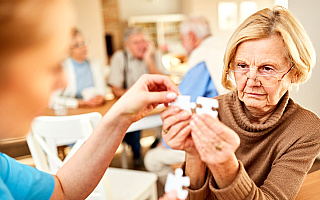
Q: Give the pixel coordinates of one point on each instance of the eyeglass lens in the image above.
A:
(264, 80)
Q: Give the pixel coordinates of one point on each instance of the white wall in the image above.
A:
(130, 8)
(308, 14)
(90, 23)
(209, 9)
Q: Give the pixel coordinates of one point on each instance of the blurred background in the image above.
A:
(103, 23)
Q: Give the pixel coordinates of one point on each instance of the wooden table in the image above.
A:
(103, 109)
(310, 189)
(150, 121)
(75, 111)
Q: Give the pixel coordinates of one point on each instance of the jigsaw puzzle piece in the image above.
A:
(176, 182)
(207, 106)
(183, 102)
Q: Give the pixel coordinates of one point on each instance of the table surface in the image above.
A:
(310, 189)
(103, 109)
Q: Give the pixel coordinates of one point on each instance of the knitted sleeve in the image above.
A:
(284, 179)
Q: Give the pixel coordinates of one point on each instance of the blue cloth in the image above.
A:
(18, 181)
(197, 82)
(84, 76)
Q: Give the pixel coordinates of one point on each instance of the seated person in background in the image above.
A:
(139, 57)
(262, 144)
(195, 34)
(86, 85)
(205, 57)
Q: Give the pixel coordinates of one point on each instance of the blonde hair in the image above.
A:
(263, 24)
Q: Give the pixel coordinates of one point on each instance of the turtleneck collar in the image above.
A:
(233, 108)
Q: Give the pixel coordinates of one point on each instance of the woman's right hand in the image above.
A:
(176, 130)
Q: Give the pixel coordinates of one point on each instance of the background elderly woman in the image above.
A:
(86, 86)
(262, 144)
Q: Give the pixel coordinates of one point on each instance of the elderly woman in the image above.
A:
(30, 71)
(262, 144)
(86, 86)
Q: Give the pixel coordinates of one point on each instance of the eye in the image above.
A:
(267, 69)
(242, 66)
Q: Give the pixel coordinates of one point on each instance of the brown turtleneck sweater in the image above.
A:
(274, 156)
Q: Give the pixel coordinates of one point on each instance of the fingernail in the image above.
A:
(192, 123)
(171, 95)
(176, 109)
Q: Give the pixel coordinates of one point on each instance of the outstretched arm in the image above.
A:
(80, 175)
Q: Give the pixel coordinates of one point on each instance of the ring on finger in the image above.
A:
(219, 145)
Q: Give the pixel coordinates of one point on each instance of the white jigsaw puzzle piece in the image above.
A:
(207, 105)
(204, 105)
(176, 182)
(183, 102)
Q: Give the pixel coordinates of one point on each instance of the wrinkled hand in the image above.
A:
(146, 94)
(177, 130)
(215, 142)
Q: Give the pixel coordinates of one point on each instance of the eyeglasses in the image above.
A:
(264, 80)
(80, 44)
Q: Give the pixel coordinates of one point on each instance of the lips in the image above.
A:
(252, 94)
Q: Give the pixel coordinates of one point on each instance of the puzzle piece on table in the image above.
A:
(202, 106)
(176, 182)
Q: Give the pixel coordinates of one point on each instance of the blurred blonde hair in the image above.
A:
(264, 23)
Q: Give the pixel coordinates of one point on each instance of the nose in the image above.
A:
(252, 78)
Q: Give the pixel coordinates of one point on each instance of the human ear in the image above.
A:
(294, 77)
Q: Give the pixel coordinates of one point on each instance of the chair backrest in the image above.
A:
(49, 132)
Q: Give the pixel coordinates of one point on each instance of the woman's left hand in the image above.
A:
(215, 142)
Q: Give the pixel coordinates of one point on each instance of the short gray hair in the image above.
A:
(196, 24)
(131, 31)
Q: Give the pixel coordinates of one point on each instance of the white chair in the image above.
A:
(49, 132)
(150, 121)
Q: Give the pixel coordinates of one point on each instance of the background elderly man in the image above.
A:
(139, 57)
(196, 39)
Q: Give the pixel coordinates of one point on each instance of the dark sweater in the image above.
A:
(274, 156)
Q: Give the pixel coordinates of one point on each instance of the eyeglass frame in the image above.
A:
(82, 44)
(255, 79)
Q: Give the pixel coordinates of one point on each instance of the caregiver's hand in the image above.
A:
(146, 94)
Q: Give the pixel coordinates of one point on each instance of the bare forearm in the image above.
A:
(80, 175)
(196, 170)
